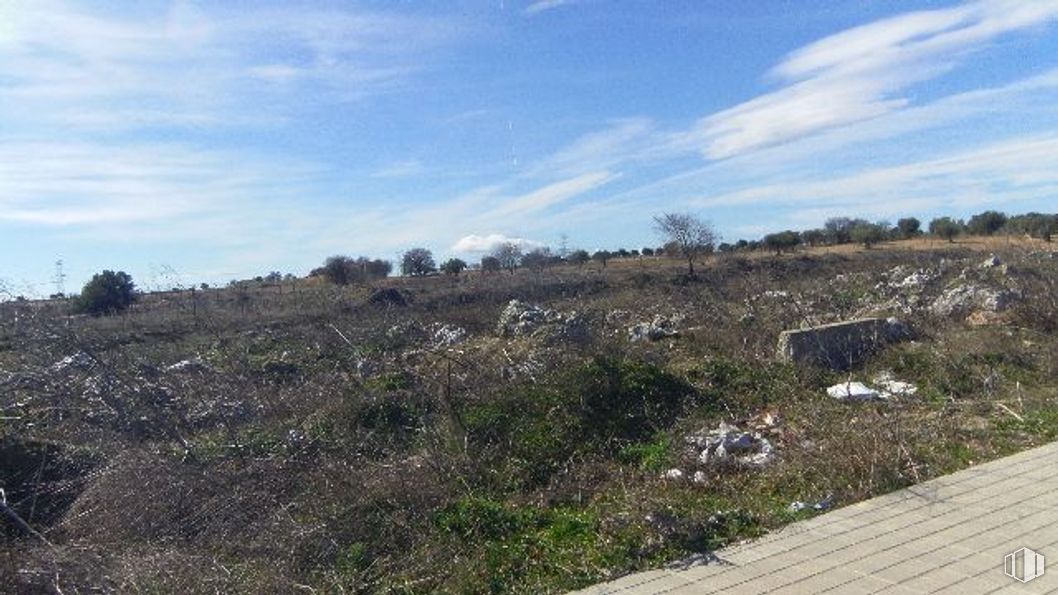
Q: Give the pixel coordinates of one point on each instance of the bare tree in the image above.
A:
(690, 235)
(509, 254)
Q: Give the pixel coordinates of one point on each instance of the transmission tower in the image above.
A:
(60, 279)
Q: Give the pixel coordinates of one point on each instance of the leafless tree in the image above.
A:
(689, 234)
(509, 254)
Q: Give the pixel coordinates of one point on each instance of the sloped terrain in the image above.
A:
(433, 435)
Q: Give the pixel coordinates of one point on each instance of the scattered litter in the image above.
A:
(194, 364)
(798, 506)
(883, 387)
(853, 391)
(728, 444)
(80, 360)
(674, 474)
(891, 387)
(661, 327)
(991, 262)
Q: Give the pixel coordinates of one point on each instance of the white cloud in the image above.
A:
(1003, 172)
(475, 244)
(858, 74)
(545, 5)
(624, 140)
(553, 194)
(83, 183)
(201, 64)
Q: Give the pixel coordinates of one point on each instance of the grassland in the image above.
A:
(298, 437)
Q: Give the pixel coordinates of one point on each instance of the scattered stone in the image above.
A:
(406, 331)
(520, 319)
(194, 364)
(728, 444)
(917, 279)
(991, 262)
(700, 477)
(840, 345)
(79, 360)
(985, 318)
(446, 335)
(365, 368)
(660, 328)
(798, 506)
(853, 391)
(961, 299)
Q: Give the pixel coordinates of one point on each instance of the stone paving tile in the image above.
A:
(948, 535)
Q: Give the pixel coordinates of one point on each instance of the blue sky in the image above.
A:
(188, 141)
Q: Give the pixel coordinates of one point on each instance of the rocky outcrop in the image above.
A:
(520, 319)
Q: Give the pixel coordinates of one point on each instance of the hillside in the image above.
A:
(430, 435)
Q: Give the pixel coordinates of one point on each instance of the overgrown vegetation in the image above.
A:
(265, 438)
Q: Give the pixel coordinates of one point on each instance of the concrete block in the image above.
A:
(840, 345)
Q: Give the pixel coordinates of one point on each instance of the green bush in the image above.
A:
(601, 407)
(106, 293)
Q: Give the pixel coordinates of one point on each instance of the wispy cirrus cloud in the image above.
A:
(545, 5)
(84, 183)
(200, 64)
(862, 73)
(1008, 169)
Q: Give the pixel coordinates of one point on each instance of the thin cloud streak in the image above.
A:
(858, 74)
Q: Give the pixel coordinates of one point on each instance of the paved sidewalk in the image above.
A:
(948, 535)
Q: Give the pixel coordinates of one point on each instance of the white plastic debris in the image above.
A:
(674, 474)
(728, 444)
(79, 360)
(853, 391)
(193, 364)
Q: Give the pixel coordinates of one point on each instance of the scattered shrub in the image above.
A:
(106, 293)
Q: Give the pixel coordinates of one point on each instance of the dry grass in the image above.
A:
(324, 443)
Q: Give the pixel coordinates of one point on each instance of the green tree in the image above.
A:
(867, 234)
(537, 259)
(986, 223)
(490, 264)
(602, 257)
(908, 227)
(453, 266)
(813, 237)
(945, 227)
(578, 257)
(106, 293)
(417, 262)
(782, 241)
